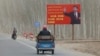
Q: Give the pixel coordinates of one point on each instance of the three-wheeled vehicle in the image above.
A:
(45, 43)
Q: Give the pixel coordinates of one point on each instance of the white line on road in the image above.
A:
(29, 46)
(48, 55)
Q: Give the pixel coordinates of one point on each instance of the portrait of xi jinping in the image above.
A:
(74, 15)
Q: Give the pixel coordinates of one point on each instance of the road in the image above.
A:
(24, 47)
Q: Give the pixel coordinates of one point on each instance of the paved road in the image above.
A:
(23, 47)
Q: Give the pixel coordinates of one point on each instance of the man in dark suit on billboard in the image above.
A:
(74, 15)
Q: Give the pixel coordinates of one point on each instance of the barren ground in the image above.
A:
(85, 47)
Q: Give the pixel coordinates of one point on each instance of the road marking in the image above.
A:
(48, 55)
(29, 46)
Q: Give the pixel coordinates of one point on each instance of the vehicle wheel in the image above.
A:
(14, 37)
(52, 51)
(43, 51)
(37, 51)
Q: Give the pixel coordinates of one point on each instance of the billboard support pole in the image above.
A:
(54, 30)
(72, 31)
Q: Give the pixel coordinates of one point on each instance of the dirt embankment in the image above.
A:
(86, 47)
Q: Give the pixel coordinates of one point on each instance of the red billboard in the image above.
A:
(63, 14)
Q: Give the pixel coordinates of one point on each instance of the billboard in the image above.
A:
(63, 14)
